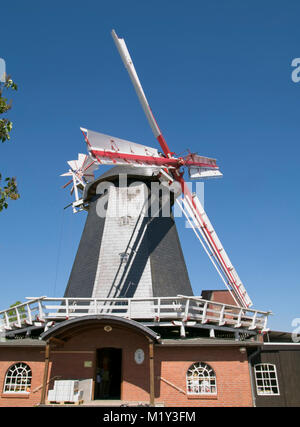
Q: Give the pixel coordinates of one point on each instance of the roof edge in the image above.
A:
(71, 323)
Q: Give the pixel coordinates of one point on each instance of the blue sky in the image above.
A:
(217, 75)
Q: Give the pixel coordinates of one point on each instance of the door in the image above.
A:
(108, 374)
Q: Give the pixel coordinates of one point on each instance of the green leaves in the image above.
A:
(12, 314)
(10, 84)
(5, 129)
(8, 188)
(8, 191)
(5, 124)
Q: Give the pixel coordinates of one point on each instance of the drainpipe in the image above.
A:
(250, 358)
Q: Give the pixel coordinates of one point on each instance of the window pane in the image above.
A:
(18, 379)
(266, 379)
(201, 379)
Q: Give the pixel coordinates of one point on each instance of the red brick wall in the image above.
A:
(219, 296)
(135, 384)
(35, 359)
(171, 363)
(230, 366)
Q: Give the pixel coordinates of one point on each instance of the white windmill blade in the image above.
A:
(81, 158)
(196, 172)
(127, 61)
(183, 205)
(214, 245)
(89, 165)
(73, 165)
(84, 167)
(206, 168)
(110, 150)
(125, 56)
(103, 142)
(81, 171)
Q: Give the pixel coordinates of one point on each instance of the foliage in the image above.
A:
(12, 313)
(8, 186)
(9, 191)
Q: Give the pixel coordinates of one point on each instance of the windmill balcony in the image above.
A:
(159, 311)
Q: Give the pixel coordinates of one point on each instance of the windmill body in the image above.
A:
(128, 248)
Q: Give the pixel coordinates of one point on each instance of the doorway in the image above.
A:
(108, 374)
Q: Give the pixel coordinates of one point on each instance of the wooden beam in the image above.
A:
(46, 372)
(151, 376)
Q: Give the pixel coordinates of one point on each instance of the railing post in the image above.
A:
(29, 315)
(158, 309)
(221, 318)
(67, 307)
(265, 323)
(18, 318)
(186, 309)
(204, 320)
(129, 308)
(41, 313)
(253, 324)
(7, 320)
(239, 319)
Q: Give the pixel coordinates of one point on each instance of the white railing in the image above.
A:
(44, 310)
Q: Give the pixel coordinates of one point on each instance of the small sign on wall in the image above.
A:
(139, 356)
(88, 364)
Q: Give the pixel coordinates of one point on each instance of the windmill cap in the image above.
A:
(139, 173)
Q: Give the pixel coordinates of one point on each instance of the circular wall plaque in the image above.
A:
(139, 356)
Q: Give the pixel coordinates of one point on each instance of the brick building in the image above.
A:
(73, 350)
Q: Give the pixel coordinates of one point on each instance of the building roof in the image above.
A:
(278, 337)
(70, 325)
(22, 342)
(203, 342)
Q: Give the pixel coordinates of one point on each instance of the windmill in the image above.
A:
(82, 172)
(168, 168)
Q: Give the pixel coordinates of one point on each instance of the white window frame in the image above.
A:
(18, 379)
(201, 380)
(266, 379)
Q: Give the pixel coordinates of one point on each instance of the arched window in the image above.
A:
(266, 379)
(201, 379)
(18, 379)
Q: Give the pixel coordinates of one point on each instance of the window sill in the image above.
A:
(15, 395)
(268, 394)
(203, 396)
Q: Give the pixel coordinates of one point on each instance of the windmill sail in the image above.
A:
(214, 248)
(210, 170)
(83, 169)
(110, 150)
(127, 61)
